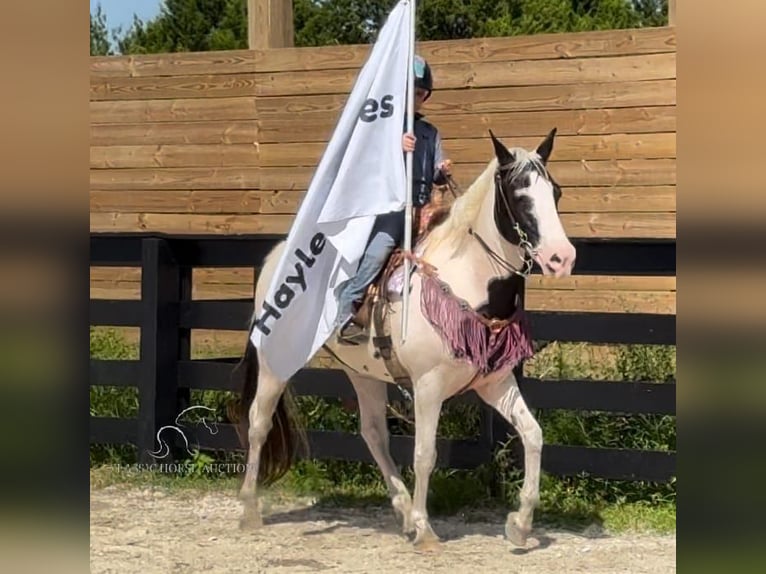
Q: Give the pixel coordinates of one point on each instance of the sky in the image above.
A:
(120, 12)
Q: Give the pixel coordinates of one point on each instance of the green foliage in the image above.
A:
(646, 363)
(320, 23)
(110, 344)
(188, 26)
(99, 34)
(200, 25)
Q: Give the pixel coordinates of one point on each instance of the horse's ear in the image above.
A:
(504, 157)
(544, 149)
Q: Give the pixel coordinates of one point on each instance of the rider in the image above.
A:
(428, 167)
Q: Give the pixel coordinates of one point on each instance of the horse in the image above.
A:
(506, 220)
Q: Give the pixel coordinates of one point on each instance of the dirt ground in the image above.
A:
(147, 530)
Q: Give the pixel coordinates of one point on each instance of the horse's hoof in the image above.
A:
(514, 533)
(427, 541)
(250, 522)
(429, 545)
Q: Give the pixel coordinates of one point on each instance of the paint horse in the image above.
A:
(467, 332)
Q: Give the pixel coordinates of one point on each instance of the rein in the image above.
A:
(523, 239)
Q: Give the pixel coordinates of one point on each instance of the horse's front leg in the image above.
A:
(506, 398)
(429, 395)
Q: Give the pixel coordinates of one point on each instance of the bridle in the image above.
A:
(523, 238)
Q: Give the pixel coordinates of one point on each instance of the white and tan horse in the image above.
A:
(506, 219)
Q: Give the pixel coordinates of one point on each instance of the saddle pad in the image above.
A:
(395, 285)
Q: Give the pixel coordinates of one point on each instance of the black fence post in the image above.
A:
(184, 334)
(160, 291)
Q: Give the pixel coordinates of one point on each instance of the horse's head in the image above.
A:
(526, 202)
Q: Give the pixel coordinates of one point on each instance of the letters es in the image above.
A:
(369, 112)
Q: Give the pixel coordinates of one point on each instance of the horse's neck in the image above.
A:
(469, 269)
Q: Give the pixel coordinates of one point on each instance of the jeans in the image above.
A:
(387, 233)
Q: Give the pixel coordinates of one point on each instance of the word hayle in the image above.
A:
(285, 293)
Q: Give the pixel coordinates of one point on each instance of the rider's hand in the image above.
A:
(408, 142)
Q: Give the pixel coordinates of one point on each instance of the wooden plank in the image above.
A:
(661, 198)
(601, 283)
(586, 300)
(214, 276)
(497, 100)
(115, 274)
(105, 430)
(172, 155)
(175, 110)
(114, 373)
(191, 132)
(115, 313)
(533, 47)
(634, 172)
(245, 276)
(187, 178)
(171, 87)
(173, 64)
(200, 201)
(318, 126)
(598, 199)
(602, 225)
(481, 75)
(617, 464)
(602, 147)
(189, 223)
(622, 225)
(121, 291)
(130, 291)
(602, 328)
(606, 396)
(211, 277)
(175, 201)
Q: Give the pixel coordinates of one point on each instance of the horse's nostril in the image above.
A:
(555, 258)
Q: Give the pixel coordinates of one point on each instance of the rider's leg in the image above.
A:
(385, 236)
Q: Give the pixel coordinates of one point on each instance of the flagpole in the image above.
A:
(408, 204)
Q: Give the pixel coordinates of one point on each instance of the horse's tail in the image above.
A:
(284, 438)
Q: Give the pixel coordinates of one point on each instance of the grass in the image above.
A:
(567, 502)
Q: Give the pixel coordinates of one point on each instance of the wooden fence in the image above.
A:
(198, 159)
(166, 314)
(226, 142)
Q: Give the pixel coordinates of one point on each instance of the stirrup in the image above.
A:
(351, 333)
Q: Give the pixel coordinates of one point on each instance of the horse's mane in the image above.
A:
(466, 208)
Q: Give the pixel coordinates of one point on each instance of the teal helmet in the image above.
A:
(423, 77)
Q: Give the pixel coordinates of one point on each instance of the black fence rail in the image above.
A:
(166, 314)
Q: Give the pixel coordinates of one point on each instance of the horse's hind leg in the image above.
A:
(372, 395)
(260, 414)
(506, 398)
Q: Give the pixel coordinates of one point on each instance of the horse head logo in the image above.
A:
(164, 447)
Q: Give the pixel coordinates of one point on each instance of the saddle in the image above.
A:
(373, 311)
(424, 220)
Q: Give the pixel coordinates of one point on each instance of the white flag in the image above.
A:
(360, 175)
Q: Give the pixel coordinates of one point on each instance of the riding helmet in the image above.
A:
(423, 77)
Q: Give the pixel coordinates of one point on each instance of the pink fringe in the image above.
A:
(470, 339)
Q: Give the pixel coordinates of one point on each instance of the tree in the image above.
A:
(199, 25)
(189, 26)
(99, 36)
